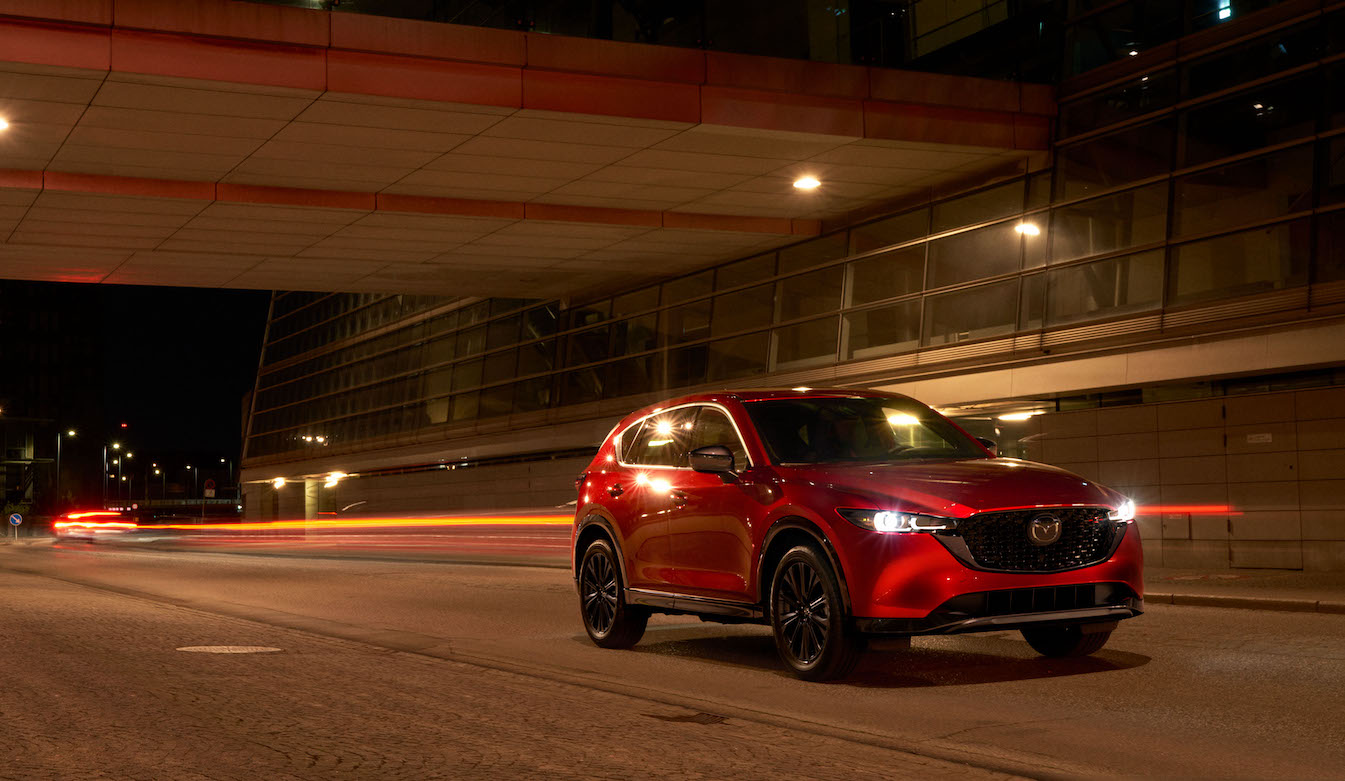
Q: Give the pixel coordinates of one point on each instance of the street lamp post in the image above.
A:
(115, 446)
(59, 435)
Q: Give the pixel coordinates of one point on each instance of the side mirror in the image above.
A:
(713, 459)
(989, 445)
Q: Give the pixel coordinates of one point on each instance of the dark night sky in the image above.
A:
(177, 362)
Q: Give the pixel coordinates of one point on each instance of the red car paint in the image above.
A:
(685, 533)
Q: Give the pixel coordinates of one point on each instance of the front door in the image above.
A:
(711, 520)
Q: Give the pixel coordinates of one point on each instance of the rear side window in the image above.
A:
(661, 439)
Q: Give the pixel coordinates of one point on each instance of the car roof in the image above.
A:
(760, 394)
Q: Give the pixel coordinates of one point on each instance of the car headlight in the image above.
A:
(1124, 513)
(892, 521)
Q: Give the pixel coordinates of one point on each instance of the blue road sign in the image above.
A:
(15, 519)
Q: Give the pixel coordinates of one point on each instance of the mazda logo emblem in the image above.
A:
(1043, 530)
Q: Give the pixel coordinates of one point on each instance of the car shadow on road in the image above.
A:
(982, 661)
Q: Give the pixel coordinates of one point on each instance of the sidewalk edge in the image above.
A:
(1247, 603)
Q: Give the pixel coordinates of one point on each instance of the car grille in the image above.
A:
(1001, 541)
(1036, 600)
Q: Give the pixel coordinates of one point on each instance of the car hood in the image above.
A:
(960, 488)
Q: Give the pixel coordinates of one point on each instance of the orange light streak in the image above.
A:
(377, 523)
(93, 514)
(94, 525)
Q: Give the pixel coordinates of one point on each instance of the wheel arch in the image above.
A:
(592, 527)
(784, 534)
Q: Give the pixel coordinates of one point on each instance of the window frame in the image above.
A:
(619, 442)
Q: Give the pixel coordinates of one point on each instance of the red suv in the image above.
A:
(836, 515)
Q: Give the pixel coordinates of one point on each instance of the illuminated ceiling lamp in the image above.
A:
(806, 183)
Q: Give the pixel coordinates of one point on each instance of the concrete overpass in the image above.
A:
(240, 145)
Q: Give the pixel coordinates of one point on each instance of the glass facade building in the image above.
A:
(1196, 186)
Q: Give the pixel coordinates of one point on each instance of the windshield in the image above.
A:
(827, 430)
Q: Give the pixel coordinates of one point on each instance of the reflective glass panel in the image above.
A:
(743, 310)
(876, 332)
(984, 252)
(810, 294)
(635, 375)
(741, 356)
(806, 344)
(587, 346)
(1330, 247)
(1113, 160)
(1106, 288)
(745, 272)
(1266, 115)
(893, 230)
(1263, 56)
(1253, 261)
(532, 395)
(974, 313)
(679, 290)
(983, 206)
(634, 303)
(889, 275)
(1244, 192)
(1140, 95)
(1110, 223)
(812, 253)
(686, 323)
(635, 335)
(686, 365)
(1332, 157)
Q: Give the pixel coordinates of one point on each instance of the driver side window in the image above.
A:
(713, 427)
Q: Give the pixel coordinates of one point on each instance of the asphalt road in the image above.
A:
(397, 669)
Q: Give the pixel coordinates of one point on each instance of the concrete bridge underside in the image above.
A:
(232, 144)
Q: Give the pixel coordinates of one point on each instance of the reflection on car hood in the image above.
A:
(959, 488)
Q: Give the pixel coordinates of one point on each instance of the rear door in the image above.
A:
(652, 457)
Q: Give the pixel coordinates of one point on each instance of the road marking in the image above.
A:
(229, 649)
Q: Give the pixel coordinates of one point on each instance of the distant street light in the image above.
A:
(59, 435)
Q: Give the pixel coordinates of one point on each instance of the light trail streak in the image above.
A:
(1191, 509)
(375, 523)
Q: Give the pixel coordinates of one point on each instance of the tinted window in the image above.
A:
(662, 439)
(713, 427)
(814, 431)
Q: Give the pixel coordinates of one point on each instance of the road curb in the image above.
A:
(1247, 603)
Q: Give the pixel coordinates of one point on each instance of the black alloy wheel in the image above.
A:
(812, 631)
(610, 623)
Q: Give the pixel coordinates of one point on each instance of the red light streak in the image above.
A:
(1191, 509)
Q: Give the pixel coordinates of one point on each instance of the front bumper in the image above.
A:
(1016, 608)
(914, 576)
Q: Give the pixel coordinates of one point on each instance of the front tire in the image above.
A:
(812, 631)
(609, 621)
(1065, 641)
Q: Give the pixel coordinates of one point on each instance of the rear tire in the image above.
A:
(1065, 641)
(609, 621)
(813, 634)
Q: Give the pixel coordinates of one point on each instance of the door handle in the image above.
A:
(679, 498)
(616, 490)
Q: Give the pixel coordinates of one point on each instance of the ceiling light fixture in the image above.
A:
(1027, 229)
(4, 124)
(806, 183)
